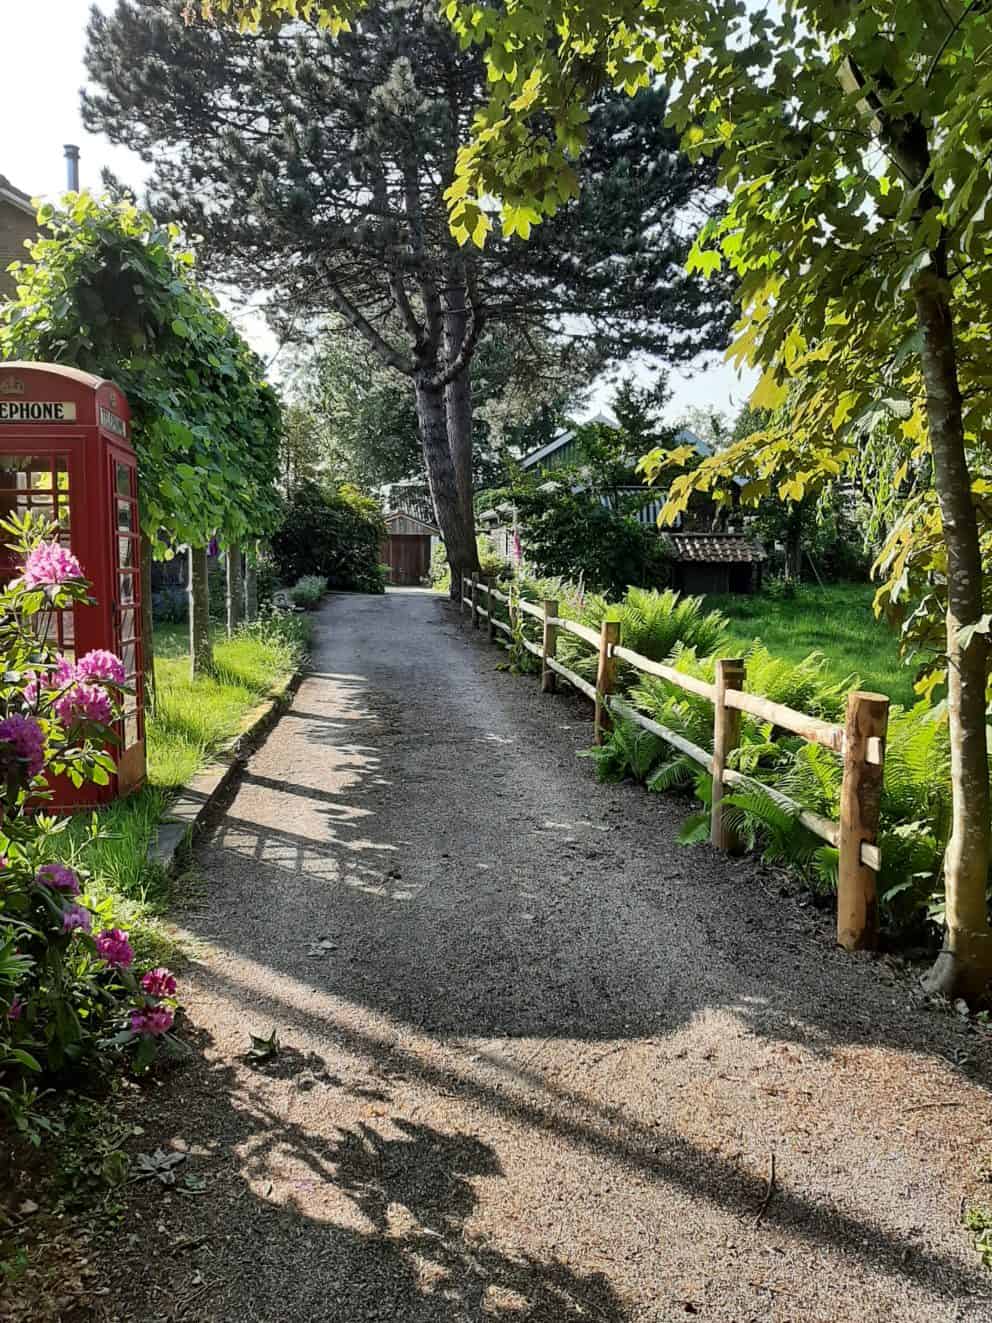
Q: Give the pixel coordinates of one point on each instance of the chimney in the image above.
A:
(72, 167)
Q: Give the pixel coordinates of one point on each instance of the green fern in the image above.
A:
(629, 752)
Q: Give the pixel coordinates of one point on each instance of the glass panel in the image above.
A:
(125, 552)
(123, 480)
(127, 588)
(26, 471)
(124, 522)
(129, 656)
(127, 624)
(132, 731)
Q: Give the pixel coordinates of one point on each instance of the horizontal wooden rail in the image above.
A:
(672, 737)
(494, 593)
(502, 624)
(481, 611)
(535, 648)
(810, 728)
(580, 631)
(669, 673)
(825, 828)
(583, 686)
(530, 609)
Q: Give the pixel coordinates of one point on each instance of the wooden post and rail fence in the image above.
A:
(860, 741)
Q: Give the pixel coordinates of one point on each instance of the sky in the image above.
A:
(39, 109)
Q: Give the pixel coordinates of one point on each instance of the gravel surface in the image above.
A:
(536, 1057)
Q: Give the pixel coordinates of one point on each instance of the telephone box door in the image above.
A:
(126, 580)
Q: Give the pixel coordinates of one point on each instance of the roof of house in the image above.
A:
(710, 548)
(683, 438)
(404, 513)
(14, 196)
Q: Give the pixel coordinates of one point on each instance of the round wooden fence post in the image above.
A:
(489, 608)
(860, 797)
(606, 676)
(730, 674)
(475, 600)
(549, 648)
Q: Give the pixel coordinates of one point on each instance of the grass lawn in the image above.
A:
(836, 620)
(193, 721)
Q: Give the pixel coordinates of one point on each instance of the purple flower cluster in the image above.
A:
(26, 738)
(75, 917)
(159, 983)
(58, 877)
(151, 1021)
(49, 565)
(78, 685)
(100, 665)
(114, 949)
(83, 702)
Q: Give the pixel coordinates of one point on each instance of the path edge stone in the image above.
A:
(185, 814)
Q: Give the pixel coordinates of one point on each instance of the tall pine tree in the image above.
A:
(316, 169)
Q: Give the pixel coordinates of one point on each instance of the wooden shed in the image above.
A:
(406, 548)
(715, 562)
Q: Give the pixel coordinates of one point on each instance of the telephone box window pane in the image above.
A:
(127, 588)
(127, 624)
(132, 731)
(40, 505)
(124, 480)
(124, 520)
(125, 552)
(129, 656)
(26, 472)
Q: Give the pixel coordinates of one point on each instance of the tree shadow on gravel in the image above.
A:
(633, 1148)
(367, 1222)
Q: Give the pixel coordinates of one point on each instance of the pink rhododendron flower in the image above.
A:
(100, 665)
(64, 673)
(16, 1009)
(159, 983)
(114, 949)
(76, 917)
(58, 877)
(153, 1022)
(27, 739)
(84, 702)
(50, 563)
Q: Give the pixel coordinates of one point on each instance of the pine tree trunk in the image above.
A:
(235, 591)
(201, 658)
(965, 964)
(147, 626)
(251, 584)
(454, 515)
(458, 401)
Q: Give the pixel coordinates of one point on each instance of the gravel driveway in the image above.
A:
(536, 1057)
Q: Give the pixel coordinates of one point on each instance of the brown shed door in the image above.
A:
(408, 556)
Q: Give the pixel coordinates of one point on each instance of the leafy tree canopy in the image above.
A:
(111, 291)
(363, 420)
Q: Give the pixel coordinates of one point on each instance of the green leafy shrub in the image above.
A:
(68, 993)
(308, 591)
(491, 564)
(333, 532)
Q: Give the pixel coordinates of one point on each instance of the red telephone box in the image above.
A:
(65, 452)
